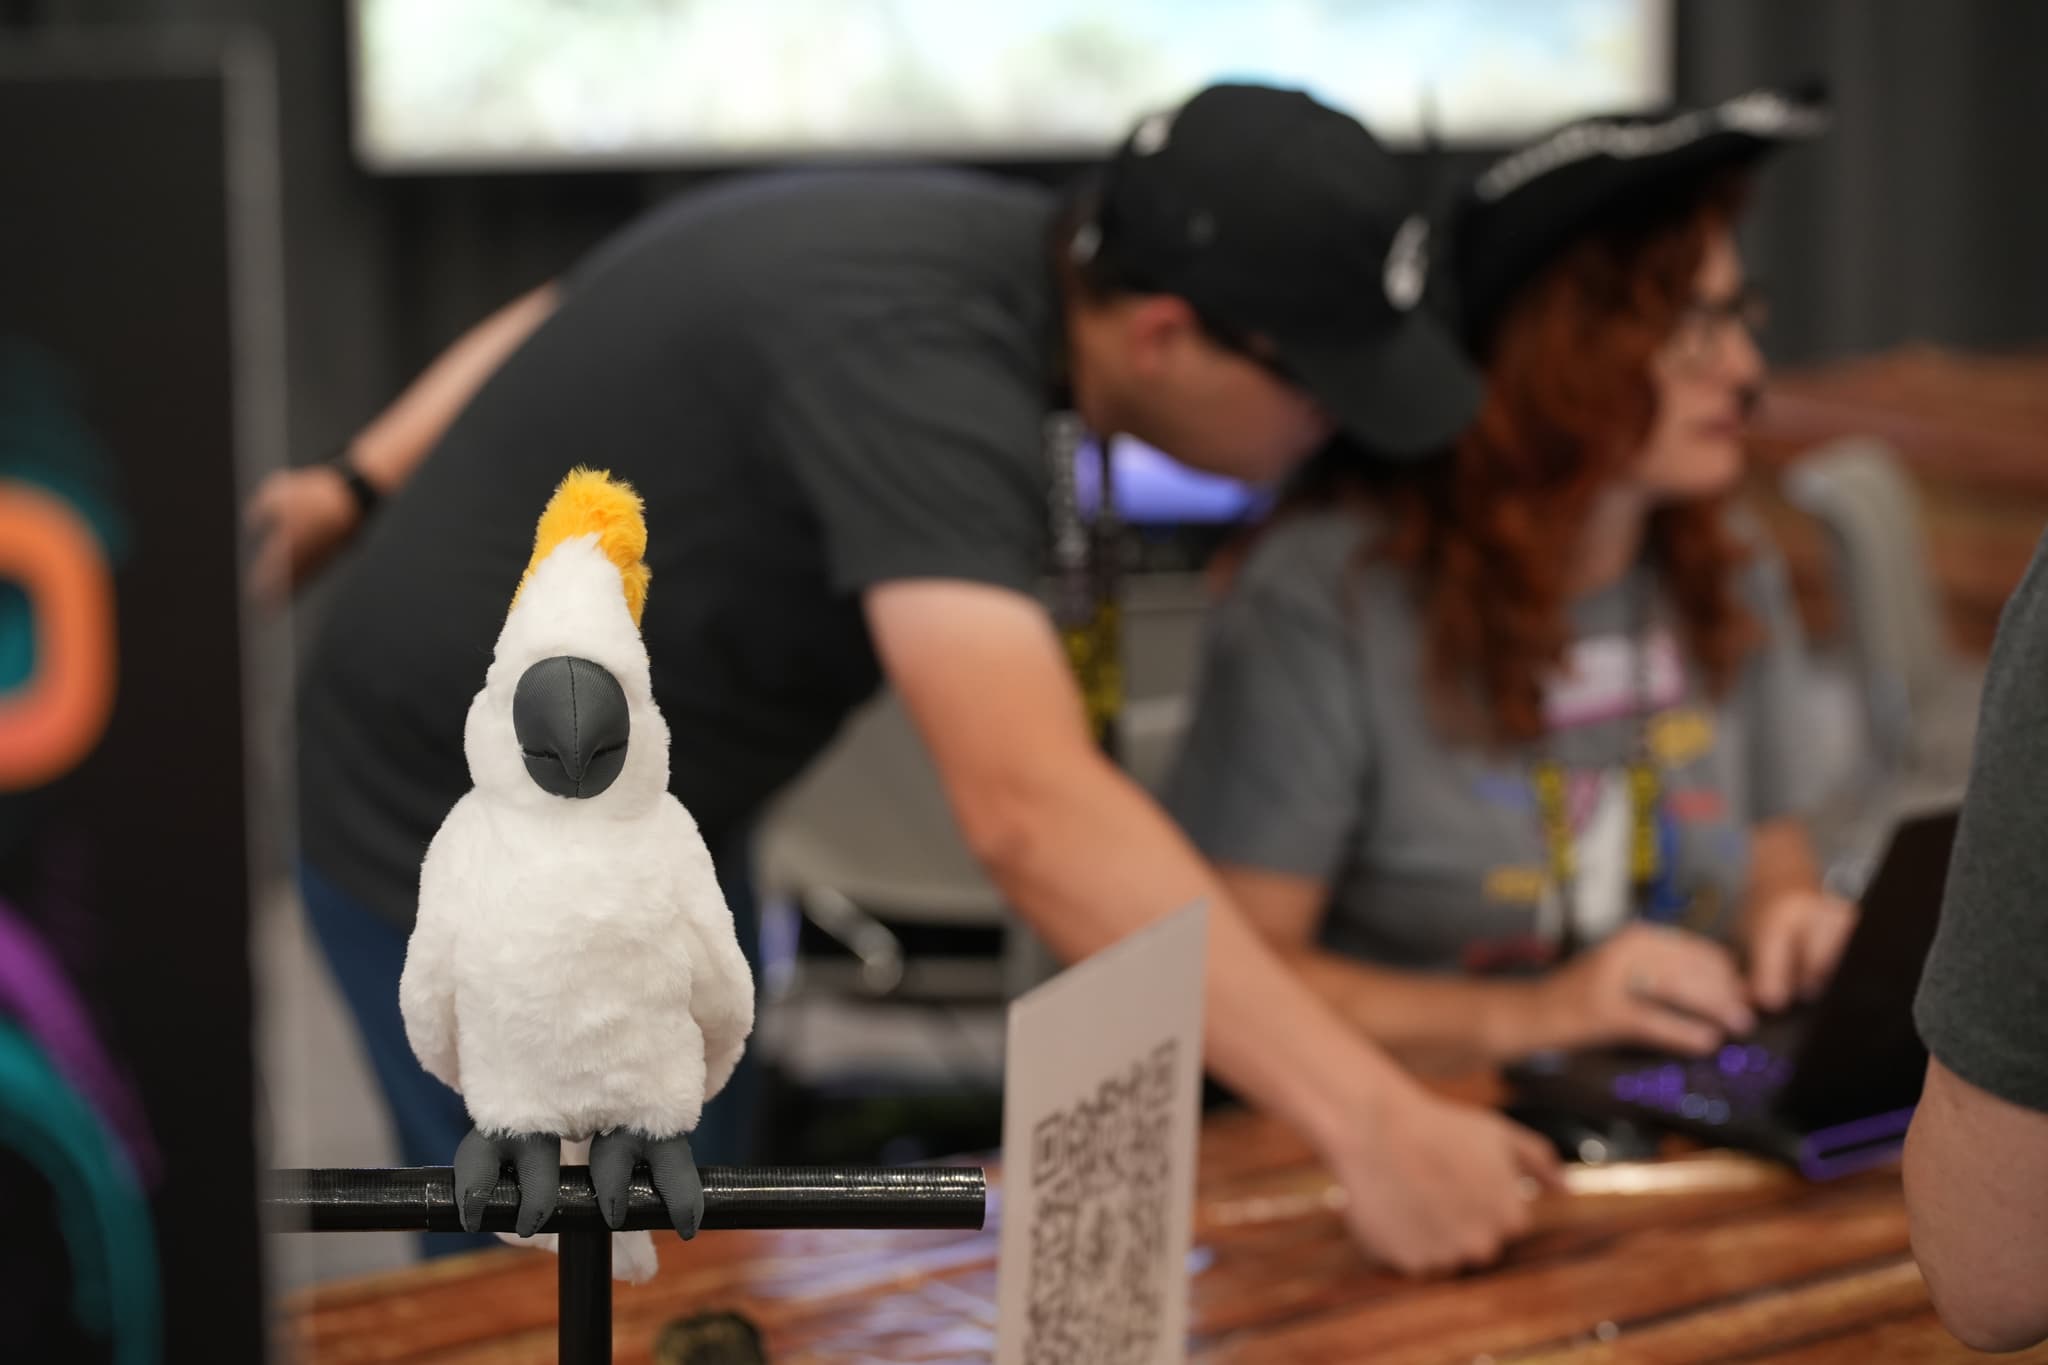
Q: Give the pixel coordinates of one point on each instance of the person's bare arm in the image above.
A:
(1447, 1021)
(303, 516)
(1424, 1020)
(1087, 858)
(1977, 1204)
(392, 446)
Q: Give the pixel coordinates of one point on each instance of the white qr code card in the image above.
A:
(1101, 1090)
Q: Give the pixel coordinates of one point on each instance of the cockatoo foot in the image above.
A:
(613, 1157)
(536, 1162)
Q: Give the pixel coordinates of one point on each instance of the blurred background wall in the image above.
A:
(1922, 217)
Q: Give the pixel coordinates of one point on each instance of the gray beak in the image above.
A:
(570, 716)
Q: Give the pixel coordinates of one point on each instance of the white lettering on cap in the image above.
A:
(1769, 114)
(1151, 133)
(1407, 269)
(1761, 113)
(1087, 241)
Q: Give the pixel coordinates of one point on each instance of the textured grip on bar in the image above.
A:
(422, 1199)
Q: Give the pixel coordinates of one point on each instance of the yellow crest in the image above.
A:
(591, 500)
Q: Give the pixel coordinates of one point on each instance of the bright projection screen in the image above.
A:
(457, 85)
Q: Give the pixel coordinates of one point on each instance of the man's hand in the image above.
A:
(1650, 985)
(1795, 940)
(1433, 1187)
(302, 518)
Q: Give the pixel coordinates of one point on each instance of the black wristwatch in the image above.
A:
(361, 489)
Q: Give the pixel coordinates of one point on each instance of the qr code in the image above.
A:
(1101, 1175)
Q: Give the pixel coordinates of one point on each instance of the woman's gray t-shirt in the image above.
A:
(1313, 752)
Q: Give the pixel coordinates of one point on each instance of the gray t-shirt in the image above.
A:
(1313, 753)
(1983, 1002)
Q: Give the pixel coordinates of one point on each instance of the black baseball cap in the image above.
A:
(1282, 220)
(1515, 216)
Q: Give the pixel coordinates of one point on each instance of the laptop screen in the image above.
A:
(1862, 1055)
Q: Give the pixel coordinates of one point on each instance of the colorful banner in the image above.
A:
(127, 1147)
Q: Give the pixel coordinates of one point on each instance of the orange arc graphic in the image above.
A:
(51, 722)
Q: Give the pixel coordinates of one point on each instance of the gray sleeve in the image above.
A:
(920, 453)
(1983, 1001)
(1775, 693)
(1273, 768)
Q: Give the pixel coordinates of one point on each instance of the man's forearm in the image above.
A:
(391, 447)
(1976, 1175)
(1088, 858)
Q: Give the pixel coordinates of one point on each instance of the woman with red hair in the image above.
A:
(1505, 746)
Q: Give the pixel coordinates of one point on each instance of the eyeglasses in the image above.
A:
(1703, 325)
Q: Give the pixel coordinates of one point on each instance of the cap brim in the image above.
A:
(1405, 394)
(1505, 236)
(1528, 230)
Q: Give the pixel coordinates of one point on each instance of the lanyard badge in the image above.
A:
(1548, 779)
(1645, 854)
(1087, 572)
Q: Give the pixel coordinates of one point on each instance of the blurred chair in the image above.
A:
(866, 835)
(1917, 696)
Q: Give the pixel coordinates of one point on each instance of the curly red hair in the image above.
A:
(1488, 531)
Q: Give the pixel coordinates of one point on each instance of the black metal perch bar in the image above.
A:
(422, 1199)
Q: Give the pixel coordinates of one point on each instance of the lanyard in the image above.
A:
(1087, 572)
(1645, 793)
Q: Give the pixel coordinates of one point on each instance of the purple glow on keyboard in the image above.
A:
(1732, 1060)
(1625, 1087)
(1756, 1057)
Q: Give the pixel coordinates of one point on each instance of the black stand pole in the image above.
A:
(584, 1287)
(422, 1199)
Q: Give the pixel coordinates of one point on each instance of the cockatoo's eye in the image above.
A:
(573, 726)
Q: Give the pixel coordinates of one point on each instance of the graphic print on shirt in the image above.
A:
(1599, 685)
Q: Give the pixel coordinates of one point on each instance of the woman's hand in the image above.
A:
(1649, 985)
(1795, 940)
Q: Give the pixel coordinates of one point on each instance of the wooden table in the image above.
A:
(1704, 1257)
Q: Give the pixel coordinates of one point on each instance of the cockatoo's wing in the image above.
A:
(721, 984)
(426, 988)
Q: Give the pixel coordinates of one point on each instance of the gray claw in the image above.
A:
(677, 1181)
(536, 1161)
(612, 1158)
(476, 1178)
(673, 1168)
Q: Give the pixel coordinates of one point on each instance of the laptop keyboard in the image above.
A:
(1739, 1082)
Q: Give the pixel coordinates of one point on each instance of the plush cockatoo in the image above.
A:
(574, 971)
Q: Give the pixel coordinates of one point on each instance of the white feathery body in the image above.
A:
(574, 967)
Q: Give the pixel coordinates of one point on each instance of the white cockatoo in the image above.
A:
(574, 972)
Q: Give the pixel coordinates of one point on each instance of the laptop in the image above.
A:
(1829, 1087)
